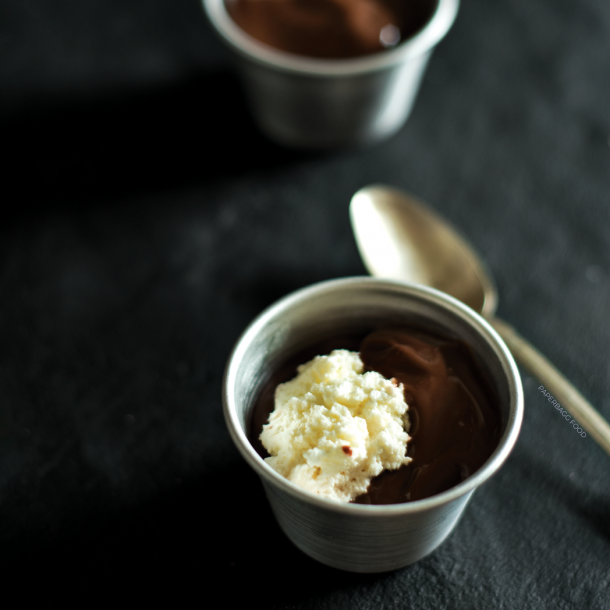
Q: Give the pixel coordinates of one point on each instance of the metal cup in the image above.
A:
(305, 102)
(355, 537)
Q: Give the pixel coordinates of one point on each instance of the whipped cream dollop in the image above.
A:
(335, 427)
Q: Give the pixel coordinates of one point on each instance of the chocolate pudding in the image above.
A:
(332, 29)
(455, 421)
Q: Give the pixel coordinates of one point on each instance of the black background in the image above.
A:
(146, 221)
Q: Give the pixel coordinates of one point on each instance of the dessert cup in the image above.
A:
(304, 102)
(356, 537)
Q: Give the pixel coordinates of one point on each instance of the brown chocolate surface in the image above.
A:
(331, 28)
(455, 421)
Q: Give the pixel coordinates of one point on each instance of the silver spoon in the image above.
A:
(400, 238)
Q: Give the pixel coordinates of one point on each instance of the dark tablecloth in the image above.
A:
(146, 222)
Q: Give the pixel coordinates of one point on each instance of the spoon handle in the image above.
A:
(561, 389)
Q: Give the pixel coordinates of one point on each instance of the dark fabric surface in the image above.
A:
(146, 222)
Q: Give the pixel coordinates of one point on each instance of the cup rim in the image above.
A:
(436, 297)
(261, 53)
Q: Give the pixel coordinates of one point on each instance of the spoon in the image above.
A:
(400, 238)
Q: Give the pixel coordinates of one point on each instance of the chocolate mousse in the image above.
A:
(454, 419)
(331, 29)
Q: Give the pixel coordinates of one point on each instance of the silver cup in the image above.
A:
(364, 538)
(305, 102)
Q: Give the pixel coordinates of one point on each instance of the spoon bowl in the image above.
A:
(402, 239)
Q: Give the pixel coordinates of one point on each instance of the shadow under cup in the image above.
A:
(355, 537)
